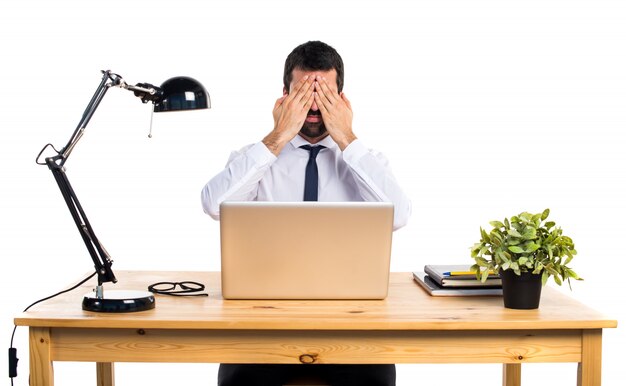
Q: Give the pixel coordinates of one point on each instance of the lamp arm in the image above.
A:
(101, 259)
(145, 91)
(108, 79)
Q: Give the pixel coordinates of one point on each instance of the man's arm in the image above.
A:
(376, 182)
(336, 112)
(371, 170)
(289, 114)
(239, 181)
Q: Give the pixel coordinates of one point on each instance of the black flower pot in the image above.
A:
(521, 292)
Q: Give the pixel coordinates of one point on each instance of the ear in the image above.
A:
(285, 91)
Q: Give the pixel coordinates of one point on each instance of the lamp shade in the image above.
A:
(182, 93)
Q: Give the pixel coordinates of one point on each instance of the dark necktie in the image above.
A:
(310, 178)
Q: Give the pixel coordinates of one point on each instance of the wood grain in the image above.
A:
(105, 374)
(236, 346)
(590, 368)
(512, 374)
(407, 307)
(41, 371)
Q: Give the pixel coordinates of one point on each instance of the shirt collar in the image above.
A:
(327, 142)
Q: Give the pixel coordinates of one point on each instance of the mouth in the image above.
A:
(314, 116)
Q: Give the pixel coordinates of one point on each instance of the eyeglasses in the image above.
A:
(187, 288)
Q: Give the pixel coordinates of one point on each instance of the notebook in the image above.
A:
(305, 250)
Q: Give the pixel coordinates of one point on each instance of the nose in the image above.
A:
(314, 106)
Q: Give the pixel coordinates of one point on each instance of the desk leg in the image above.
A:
(511, 374)
(590, 367)
(105, 374)
(41, 372)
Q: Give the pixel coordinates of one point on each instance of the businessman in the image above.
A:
(311, 154)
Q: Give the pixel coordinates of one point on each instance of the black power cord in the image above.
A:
(13, 359)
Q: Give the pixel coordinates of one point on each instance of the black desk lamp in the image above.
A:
(175, 94)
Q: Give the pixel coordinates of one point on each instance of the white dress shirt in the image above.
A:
(356, 174)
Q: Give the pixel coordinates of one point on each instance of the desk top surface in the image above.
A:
(407, 307)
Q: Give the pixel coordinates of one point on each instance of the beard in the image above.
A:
(313, 129)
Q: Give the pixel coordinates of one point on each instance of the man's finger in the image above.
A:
(323, 97)
(320, 104)
(304, 93)
(309, 102)
(345, 99)
(279, 101)
(332, 96)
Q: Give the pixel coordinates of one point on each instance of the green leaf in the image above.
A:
(514, 241)
(569, 258)
(496, 224)
(485, 275)
(530, 233)
(526, 217)
(572, 274)
(545, 214)
(516, 249)
(544, 277)
(531, 247)
(536, 219)
(552, 271)
(476, 269)
(481, 262)
(550, 224)
(484, 236)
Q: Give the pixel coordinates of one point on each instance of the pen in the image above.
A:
(462, 273)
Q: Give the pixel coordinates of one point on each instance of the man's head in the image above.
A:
(313, 58)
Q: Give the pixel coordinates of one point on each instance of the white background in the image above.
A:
(484, 108)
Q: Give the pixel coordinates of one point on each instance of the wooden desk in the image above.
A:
(408, 327)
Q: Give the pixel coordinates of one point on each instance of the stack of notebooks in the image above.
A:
(456, 280)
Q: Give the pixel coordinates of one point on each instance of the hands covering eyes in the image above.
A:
(311, 92)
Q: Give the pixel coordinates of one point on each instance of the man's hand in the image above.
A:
(336, 113)
(290, 111)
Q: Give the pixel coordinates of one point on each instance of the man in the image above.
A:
(311, 154)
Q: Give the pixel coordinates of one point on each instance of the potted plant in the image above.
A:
(525, 251)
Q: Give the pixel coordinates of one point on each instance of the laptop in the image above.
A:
(305, 250)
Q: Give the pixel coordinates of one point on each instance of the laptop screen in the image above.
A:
(305, 250)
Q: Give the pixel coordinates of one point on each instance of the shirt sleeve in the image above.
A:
(239, 181)
(375, 180)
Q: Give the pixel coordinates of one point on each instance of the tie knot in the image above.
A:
(313, 150)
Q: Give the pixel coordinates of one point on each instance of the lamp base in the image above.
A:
(119, 301)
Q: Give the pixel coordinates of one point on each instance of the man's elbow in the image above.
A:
(401, 215)
(209, 206)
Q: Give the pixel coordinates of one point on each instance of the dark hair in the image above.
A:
(313, 56)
